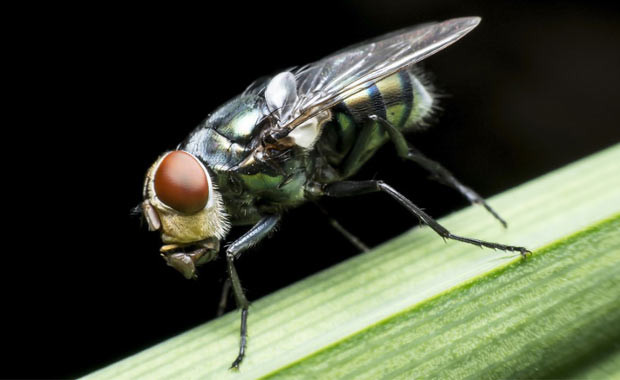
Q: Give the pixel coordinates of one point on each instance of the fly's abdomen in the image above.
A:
(401, 99)
(407, 100)
(351, 138)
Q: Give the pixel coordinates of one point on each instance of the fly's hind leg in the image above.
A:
(406, 151)
(258, 232)
(350, 188)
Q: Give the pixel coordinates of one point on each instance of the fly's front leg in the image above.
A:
(221, 307)
(258, 232)
(406, 151)
(349, 188)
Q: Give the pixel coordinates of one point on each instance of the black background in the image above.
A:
(533, 88)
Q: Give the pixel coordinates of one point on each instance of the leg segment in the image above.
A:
(258, 232)
(406, 151)
(348, 188)
(221, 307)
(348, 235)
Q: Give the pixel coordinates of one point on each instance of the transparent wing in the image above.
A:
(327, 82)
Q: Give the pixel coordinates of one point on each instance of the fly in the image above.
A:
(296, 137)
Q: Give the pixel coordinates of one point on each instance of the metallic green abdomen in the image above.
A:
(351, 138)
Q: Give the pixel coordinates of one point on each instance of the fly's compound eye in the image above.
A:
(181, 182)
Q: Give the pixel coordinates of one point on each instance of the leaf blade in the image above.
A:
(328, 308)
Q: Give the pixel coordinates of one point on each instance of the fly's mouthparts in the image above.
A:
(169, 248)
(187, 257)
(209, 244)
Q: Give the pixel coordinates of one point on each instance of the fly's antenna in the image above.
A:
(138, 211)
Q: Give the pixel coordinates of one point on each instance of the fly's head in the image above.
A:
(182, 203)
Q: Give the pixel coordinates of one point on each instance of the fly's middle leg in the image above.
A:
(354, 240)
(350, 188)
(406, 151)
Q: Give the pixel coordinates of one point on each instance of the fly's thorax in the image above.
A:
(238, 119)
(181, 200)
(264, 189)
(228, 135)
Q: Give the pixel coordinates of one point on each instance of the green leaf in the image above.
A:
(417, 307)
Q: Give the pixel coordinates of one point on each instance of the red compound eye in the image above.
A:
(181, 182)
